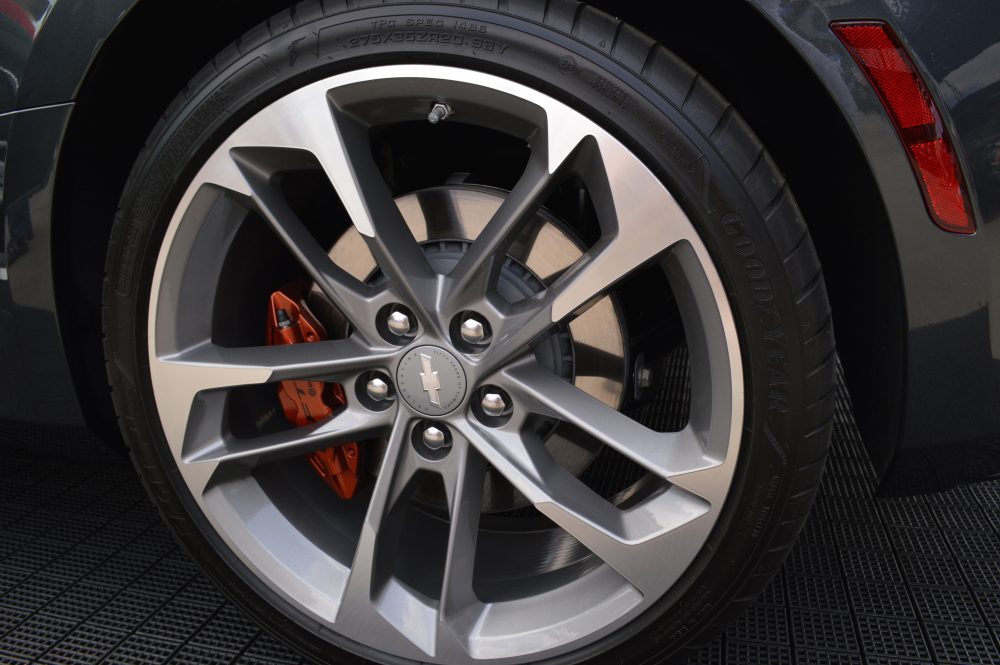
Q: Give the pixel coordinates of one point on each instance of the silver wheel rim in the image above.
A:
(640, 552)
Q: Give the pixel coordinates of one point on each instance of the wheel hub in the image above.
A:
(445, 220)
(431, 381)
(590, 351)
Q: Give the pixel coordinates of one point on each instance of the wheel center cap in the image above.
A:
(431, 380)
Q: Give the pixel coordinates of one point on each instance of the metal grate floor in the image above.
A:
(89, 575)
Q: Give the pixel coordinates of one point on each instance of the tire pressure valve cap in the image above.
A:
(284, 321)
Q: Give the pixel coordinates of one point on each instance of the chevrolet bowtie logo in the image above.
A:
(429, 379)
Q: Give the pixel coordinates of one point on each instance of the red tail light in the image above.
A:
(910, 106)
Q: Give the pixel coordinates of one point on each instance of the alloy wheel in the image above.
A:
(461, 380)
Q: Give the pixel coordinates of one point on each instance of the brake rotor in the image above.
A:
(446, 220)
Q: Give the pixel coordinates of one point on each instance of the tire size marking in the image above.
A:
(422, 37)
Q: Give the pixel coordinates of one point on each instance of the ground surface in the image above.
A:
(89, 575)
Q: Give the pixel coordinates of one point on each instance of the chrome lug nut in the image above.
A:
(431, 440)
(375, 391)
(399, 323)
(494, 405)
(439, 113)
(473, 331)
(435, 438)
(378, 390)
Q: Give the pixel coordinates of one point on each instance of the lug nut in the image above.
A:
(378, 390)
(375, 391)
(494, 405)
(438, 113)
(399, 323)
(435, 438)
(431, 440)
(473, 331)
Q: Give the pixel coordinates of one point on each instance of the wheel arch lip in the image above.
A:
(949, 340)
(66, 33)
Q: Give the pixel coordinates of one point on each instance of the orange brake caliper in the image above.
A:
(289, 321)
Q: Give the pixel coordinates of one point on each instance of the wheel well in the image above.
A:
(772, 88)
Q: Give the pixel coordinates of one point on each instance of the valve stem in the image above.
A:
(439, 113)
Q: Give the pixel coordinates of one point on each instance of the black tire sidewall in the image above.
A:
(734, 231)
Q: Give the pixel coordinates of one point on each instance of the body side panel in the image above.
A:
(951, 383)
(46, 49)
(35, 381)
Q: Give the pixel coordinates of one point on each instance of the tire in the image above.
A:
(680, 128)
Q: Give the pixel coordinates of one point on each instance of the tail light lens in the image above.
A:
(909, 104)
